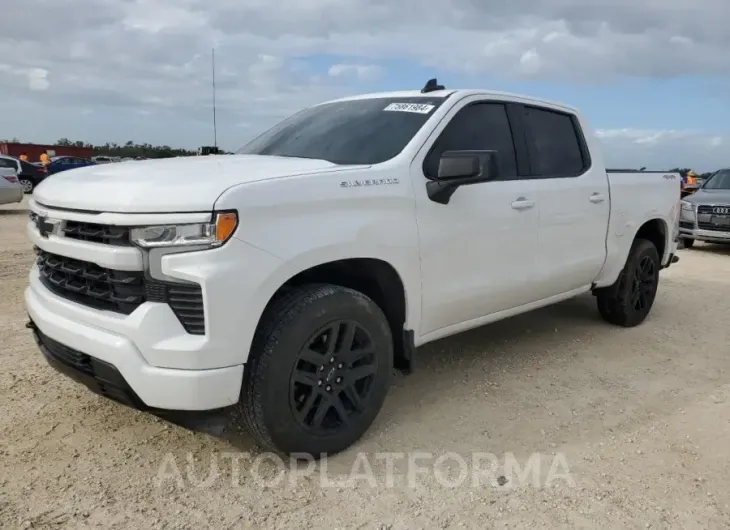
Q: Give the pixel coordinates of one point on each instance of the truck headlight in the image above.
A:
(212, 234)
(687, 206)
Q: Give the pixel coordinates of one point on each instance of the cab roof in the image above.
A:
(461, 93)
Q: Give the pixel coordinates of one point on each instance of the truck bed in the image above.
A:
(634, 201)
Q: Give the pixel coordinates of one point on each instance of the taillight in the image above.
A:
(14, 180)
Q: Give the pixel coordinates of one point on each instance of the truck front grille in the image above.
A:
(94, 233)
(90, 285)
(119, 291)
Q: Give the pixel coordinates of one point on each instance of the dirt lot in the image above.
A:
(641, 417)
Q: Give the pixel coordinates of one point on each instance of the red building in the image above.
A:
(34, 150)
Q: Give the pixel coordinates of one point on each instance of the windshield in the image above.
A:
(361, 131)
(720, 180)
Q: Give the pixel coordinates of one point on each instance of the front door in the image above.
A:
(477, 250)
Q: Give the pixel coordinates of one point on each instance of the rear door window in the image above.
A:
(555, 144)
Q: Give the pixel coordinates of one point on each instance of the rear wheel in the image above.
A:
(27, 185)
(318, 372)
(628, 301)
(688, 243)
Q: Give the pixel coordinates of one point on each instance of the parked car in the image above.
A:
(286, 287)
(705, 214)
(10, 189)
(103, 159)
(29, 175)
(64, 163)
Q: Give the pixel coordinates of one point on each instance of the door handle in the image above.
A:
(596, 198)
(522, 204)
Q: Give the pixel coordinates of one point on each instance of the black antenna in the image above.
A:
(431, 86)
(215, 129)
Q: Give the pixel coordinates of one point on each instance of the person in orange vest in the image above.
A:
(45, 159)
(691, 179)
(23, 156)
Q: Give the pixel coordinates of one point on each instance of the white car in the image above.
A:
(287, 285)
(10, 189)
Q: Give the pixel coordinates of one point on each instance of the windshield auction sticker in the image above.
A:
(418, 108)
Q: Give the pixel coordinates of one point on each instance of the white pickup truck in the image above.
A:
(284, 284)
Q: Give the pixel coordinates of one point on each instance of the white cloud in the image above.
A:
(366, 72)
(33, 78)
(38, 79)
(663, 149)
(128, 60)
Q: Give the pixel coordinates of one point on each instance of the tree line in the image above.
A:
(129, 149)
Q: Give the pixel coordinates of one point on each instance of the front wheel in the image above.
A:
(27, 185)
(318, 371)
(628, 301)
(688, 243)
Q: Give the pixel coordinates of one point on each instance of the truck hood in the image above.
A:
(702, 196)
(186, 184)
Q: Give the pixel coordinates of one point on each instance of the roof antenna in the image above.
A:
(215, 129)
(431, 86)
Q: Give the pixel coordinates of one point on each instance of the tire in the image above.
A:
(279, 377)
(618, 304)
(27, 184)
(688, 243)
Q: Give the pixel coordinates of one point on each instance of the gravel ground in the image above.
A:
(630, 427)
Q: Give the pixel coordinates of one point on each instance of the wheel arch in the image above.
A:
(375, 278)
(654, 229)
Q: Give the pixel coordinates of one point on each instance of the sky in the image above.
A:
(651, 76)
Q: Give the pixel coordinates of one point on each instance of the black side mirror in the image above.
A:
(458, 164)
(461, 168)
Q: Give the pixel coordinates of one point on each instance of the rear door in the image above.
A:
(573, 193)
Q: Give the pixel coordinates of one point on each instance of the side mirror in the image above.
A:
(461, 168)
(468, 167)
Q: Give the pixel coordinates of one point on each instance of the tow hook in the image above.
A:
(31, 325)
(675, 259)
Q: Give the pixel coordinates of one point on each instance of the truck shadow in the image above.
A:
(482, 350)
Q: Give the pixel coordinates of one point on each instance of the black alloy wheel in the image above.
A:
(318, 371)
(629, 300)
(333, 376)
(644, 285)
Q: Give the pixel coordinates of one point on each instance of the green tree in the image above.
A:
(129, 149)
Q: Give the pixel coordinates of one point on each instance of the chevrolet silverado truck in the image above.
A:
(284, 284)
(705, 215)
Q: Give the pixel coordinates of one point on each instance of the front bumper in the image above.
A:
(58, 329)
(711, 236)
